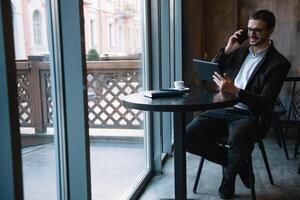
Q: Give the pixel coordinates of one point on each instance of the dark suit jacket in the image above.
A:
(265, 82)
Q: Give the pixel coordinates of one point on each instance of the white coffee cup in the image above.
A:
(179, 84)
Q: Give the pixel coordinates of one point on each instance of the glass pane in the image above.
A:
(35, 104)
(114, 52)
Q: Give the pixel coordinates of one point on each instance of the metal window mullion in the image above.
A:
(75, 98)
(176, 46)
(11, 186)
(58, 100)
(178, 40)
(146, 79)
(155, 83)
(166, 71)
(172, 41)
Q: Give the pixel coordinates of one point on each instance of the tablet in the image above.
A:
(206, 69)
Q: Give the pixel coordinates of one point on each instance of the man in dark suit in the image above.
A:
(256, 73)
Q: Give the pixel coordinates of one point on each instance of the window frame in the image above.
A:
(73, 155)
(11, 186)
(37, 31)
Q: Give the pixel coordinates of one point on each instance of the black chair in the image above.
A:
(278, 111)
(264, 126)
(295, 107)
(297, 143)
(296, 112)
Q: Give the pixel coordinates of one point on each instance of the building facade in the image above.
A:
(112, 27)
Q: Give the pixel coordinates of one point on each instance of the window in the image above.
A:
(110, 32)
(117, 134)
(138, 5)
(38, 157)
(129, 38)
(121, 38)
(92, 24)
(138, 39)
(69, 167)
(37, 28)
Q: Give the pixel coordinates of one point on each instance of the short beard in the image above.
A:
(259, 42)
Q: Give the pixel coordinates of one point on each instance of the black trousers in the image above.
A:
(237, 126)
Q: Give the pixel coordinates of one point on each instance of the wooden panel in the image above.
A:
(221, 23)
(206, 27)
(193, 44)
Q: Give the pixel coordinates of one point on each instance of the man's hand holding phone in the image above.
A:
(236, 40)
(225, 83)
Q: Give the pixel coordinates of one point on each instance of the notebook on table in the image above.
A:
(162, 93)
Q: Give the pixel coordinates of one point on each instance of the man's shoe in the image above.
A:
(226, 190)
(244, 174)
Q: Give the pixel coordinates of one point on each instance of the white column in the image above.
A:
(19, 42)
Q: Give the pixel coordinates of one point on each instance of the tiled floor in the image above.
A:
(114, 170)
(116, 165)
(287, 181)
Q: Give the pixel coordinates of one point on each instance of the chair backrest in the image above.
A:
(279, 108)
(296, 105)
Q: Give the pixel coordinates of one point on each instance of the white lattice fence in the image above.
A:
(25, 111)
(105, 106)
(108, 82)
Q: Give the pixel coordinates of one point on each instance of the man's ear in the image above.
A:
(271, 30)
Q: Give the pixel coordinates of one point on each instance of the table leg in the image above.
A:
(179, 156)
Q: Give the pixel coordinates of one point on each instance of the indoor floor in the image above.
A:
(115, 167)
(286, 178)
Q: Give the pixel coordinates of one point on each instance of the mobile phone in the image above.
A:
(243, 36)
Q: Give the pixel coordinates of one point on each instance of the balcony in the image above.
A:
(107, 81)
(115, 131)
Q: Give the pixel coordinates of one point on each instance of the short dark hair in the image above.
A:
(266, 16)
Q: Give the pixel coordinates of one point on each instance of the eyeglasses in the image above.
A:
(255, 30)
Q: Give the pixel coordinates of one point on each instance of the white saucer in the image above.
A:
(181, 89)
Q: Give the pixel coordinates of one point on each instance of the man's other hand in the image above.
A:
(224, 83)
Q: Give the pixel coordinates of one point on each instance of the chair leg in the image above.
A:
(275, 125)
(198, 175)
(262, 149)
(281, 136)
(252, 183)
(297, 143)
(299, 168)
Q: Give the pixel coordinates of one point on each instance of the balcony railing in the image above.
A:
(107, 81)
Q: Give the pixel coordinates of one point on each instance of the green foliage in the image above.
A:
(93, 55)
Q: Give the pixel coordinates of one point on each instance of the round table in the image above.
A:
(194, 100)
